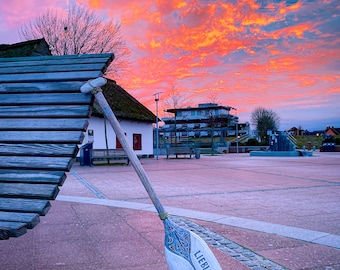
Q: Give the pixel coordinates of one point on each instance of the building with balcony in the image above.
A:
(206, 120)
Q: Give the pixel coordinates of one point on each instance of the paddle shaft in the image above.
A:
(184, 250)
(129, 151)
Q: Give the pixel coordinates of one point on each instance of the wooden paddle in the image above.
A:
(184, 250)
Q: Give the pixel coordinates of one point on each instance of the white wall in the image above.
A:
(129, 127)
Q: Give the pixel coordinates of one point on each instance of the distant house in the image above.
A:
(296, 131)
(35, 47)
(332, 131)
(136, 120)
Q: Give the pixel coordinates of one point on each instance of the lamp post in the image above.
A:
(157, 99)
(236, 130)
(236, 135)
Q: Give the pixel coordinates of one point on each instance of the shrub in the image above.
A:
(252, 142)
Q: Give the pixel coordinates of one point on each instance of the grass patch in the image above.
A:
(313, 139)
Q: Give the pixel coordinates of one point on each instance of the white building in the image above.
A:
(200, 121)
(135, 119)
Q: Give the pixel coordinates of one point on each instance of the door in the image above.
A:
(137, 141)
(118, 144)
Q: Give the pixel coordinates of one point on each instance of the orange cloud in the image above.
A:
(295, 31)
(286, 9)
(95, 3)
(309, 82)
(248, 54)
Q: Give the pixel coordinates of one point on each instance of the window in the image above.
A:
(137, 141)
(118, 144)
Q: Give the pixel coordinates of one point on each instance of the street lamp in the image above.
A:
(157, 99)
(236, 130)
(236, 135)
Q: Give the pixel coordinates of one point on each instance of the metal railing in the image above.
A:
(291, 139)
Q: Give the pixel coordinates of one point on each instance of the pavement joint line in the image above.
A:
(91, 187)
(316, 237)
(235, 192)
(288, 176)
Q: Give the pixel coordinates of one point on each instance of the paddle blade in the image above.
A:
(185, 250)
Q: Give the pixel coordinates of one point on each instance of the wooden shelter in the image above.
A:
(43, 116)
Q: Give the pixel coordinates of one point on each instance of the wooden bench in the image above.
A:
(115, 155)
(43, 117)
(179, 150)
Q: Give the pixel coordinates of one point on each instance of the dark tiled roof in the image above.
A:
(27, 48)
(123, 104)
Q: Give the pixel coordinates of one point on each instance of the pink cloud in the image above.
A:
(19, 12)
(16, 13)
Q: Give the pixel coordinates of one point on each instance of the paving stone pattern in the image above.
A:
(236, 251)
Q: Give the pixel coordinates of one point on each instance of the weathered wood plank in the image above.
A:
(41, 137)
(55, 111)
(39, 87)
(68, 124)
(28, 191)
(30, 219)
(108, 152)
(104, 57)
(15, 229)
(99, 62)
(45, 99)
(43, 150)
(48, 77)
(179, 150)
(55, 67)
(37, 163)
(39, 207)
(32, 176)
(42, 120)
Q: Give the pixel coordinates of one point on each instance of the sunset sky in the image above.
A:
(281, 55)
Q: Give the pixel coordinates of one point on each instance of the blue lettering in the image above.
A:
(205, 266)
(197, 253)
(201, 260)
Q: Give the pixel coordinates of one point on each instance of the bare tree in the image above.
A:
(213, 97)
(80, 31)
(174, 98)
(265, 119)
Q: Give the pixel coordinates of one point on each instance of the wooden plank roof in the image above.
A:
(43, 116)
